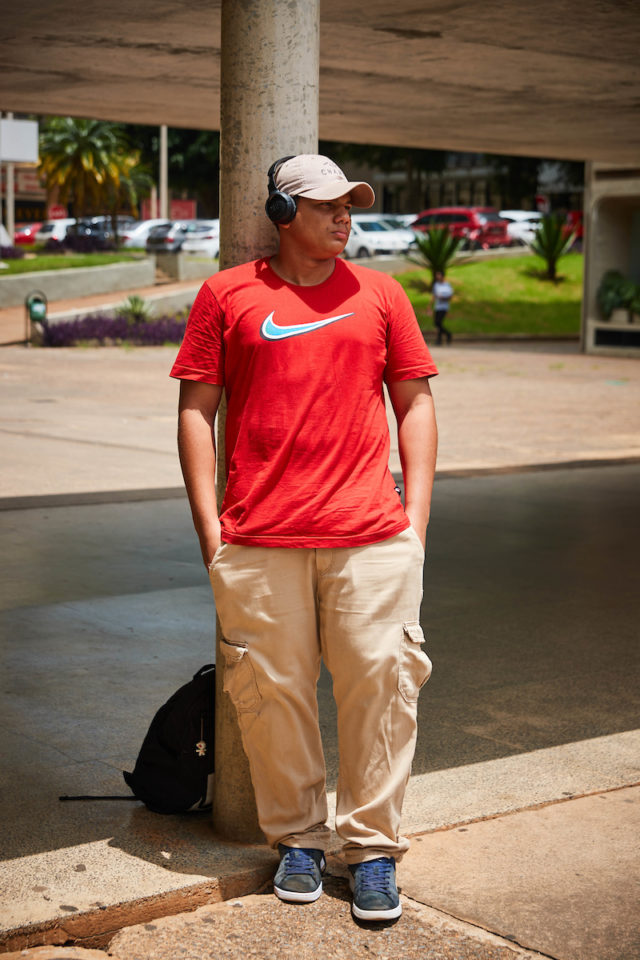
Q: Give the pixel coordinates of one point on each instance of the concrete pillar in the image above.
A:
(164, 172)
(268, 109)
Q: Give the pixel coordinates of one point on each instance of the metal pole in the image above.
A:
(164, 172)
(10, 196)
(268, 109)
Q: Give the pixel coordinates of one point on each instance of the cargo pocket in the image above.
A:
(239, 677)
(415, 666)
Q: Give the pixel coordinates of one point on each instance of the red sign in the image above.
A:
(28, 183)
(178, 210)
(182, 209)
(56, 212)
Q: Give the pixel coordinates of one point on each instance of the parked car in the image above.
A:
(521, 224)
(479, 227)
(405, 219)
(99, 228)
(575, 222)
(170, 237)
(25, 233)
(136, 234)
(371, 236)
(392, 221)
(204, 240)
(54, 230)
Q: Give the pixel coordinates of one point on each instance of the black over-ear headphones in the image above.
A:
(280, 207)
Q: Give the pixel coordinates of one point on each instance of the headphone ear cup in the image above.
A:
(280, 207)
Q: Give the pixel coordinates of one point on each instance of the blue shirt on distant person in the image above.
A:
(442, 292)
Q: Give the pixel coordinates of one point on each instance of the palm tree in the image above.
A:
(436, 249)
(552, 241)
(84, 160)
(123, 195)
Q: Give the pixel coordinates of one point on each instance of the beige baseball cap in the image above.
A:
(319, 178)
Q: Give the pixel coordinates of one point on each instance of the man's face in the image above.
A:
(321, 228)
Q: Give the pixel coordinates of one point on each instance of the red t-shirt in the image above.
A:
(307, 439)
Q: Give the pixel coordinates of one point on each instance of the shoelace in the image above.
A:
(297, 861)
(375, 875)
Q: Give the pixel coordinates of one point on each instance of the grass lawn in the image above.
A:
(62, 261)
(505, 296)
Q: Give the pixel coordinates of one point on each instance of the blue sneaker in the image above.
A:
(298, 879)
(375, 895)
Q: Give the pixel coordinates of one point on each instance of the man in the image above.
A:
(441, 292)
(313, 553)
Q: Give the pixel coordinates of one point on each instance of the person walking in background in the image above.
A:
(442, 292)
(313, 554)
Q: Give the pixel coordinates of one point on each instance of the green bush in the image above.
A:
(616, 292)
(552, 240)
(135, 309)
(436, 249)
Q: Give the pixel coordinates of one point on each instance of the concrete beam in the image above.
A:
(548, 79)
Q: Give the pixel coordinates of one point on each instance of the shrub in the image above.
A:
(616, 291)
(551, 241)
(436, 249)
(102, 329)
(11, 253)
(135, 309)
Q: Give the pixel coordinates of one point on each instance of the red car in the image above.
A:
(26, 232)
(479, 227)
(575, 223)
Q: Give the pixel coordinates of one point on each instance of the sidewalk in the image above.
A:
(176, 295)
(523, 803)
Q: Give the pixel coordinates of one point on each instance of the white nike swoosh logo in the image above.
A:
(271, 331)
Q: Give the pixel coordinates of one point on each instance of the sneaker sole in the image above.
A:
(295, 896)
(390, 914)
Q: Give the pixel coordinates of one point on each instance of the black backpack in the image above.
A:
(174, 769)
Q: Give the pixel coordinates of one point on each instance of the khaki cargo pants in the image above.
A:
(281, 610)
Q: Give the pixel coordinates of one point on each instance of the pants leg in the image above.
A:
(369, 603)
(440, 317)
(265, 598)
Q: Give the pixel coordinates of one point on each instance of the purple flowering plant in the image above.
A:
(111, 331)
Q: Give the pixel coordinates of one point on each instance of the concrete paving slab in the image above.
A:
(459, 795)
(263, 926)
(97, 419)
(563, 880)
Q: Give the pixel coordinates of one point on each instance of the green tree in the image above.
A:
(552, 241)
(85, 160)
(436, 250)
(194, 162)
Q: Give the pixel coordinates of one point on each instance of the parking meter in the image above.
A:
(35, 310)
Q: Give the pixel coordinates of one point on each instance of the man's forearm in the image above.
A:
(196, 448)
(418, 444)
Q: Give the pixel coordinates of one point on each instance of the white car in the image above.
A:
(205, 239)
(54, 230)
(372, 234)
(135, 234)
(404, 219)
(521, 224)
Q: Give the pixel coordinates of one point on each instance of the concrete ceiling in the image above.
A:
(554, 78)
